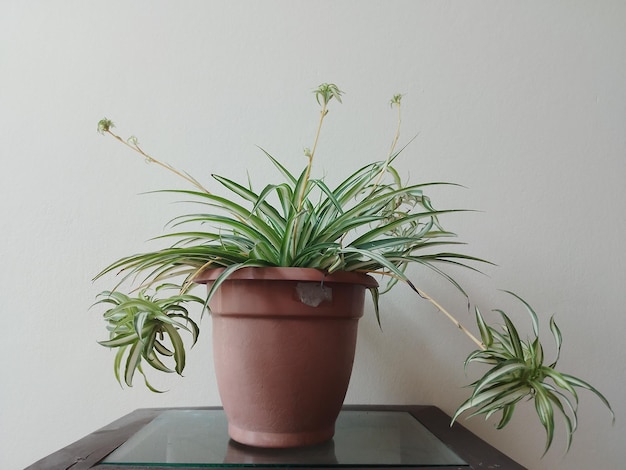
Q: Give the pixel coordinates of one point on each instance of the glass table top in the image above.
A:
(179, 438)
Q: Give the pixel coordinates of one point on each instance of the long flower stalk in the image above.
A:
(104, 127)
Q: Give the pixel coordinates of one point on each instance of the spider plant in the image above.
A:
(370, 222)
(141, 326)
(517, 371)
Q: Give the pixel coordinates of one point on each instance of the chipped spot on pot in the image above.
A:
(313, 293)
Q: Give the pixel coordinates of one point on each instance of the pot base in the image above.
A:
(280, 440)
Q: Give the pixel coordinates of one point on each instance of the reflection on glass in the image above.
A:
(177, 438)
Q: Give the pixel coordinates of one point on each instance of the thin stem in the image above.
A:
(151, 159)
(310, 154)
(323, 94)
(394, 102)
(452, 319)
(437, 305)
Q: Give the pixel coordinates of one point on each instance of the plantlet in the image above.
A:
(517, 371)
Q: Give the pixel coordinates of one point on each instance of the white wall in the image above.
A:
(522, 102)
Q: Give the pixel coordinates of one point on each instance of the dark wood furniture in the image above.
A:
(88, 452)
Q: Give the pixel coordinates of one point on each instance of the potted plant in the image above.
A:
(313, 250)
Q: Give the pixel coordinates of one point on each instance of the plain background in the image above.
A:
(522, 103)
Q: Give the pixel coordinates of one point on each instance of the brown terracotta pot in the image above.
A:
(283, 344)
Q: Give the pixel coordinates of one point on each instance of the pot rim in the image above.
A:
(277, 273)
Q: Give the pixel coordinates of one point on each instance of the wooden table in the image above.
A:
(88, 452)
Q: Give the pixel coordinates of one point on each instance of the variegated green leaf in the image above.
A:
(485, 331)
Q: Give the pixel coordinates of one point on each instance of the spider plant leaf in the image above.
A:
(285, 197)
(487, 396)
(286, 254)
(565, 399)
(329, 194)
(107, 300)
(504, 345)
(381, 260)
(274, 218)
(239, 218)
(132, 362)
(509, 397)
(494, 397)
(545, 412)
(316, 251)
(254, 229)
(559, 381)
(263, 250)
(568, 421)
(386, 228)
(117, 363)
(513, 336)
(400, 243)
(300, 190)
(192, 326)
(147, 341)
(354, 184)
(161, 349)
(485, 331)
(576, 382)
(120, 340)
(423, 261)
(394, 174)
(507, 414)
(367, 207)
(288, 176)
(139, 321)
(343, 225)
(169, 319)
(529, 309)
(510, 368)
(259, 200)
(479, 356)
(392, 281)
(364, 176)
(488, 356)
(305, 225)
(178, 346)
(147, 383)
(157, 364)
(114, 297)
(189, 237)
(426, 229)
(226, 274)
(533, 352)
(558, 339)
(374, 292)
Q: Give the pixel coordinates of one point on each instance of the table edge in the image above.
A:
(87, 452)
